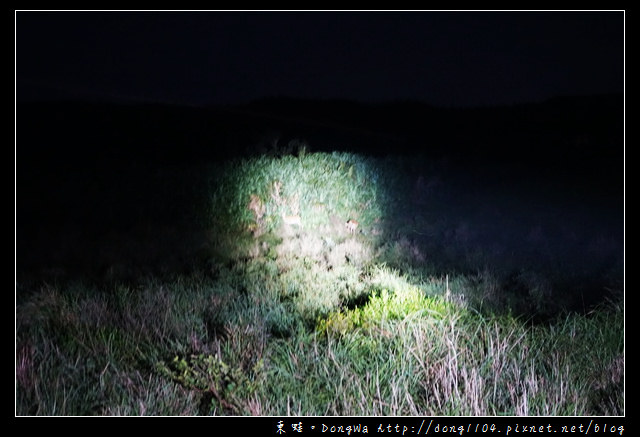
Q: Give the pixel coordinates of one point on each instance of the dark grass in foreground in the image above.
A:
(447, 300)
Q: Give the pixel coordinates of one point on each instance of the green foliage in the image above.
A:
(399, 350)
(227, 385)
(318, 321)
(317, 185)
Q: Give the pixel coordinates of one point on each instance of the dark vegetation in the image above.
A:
(518, 210)
(100, 167)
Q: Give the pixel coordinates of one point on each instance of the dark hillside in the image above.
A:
(87, 169)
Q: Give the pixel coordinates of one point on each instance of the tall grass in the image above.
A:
(401, 353)
(413, 315)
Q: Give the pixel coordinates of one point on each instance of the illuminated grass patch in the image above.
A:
(410, 313)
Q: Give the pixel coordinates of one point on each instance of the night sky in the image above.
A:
(451, 59)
